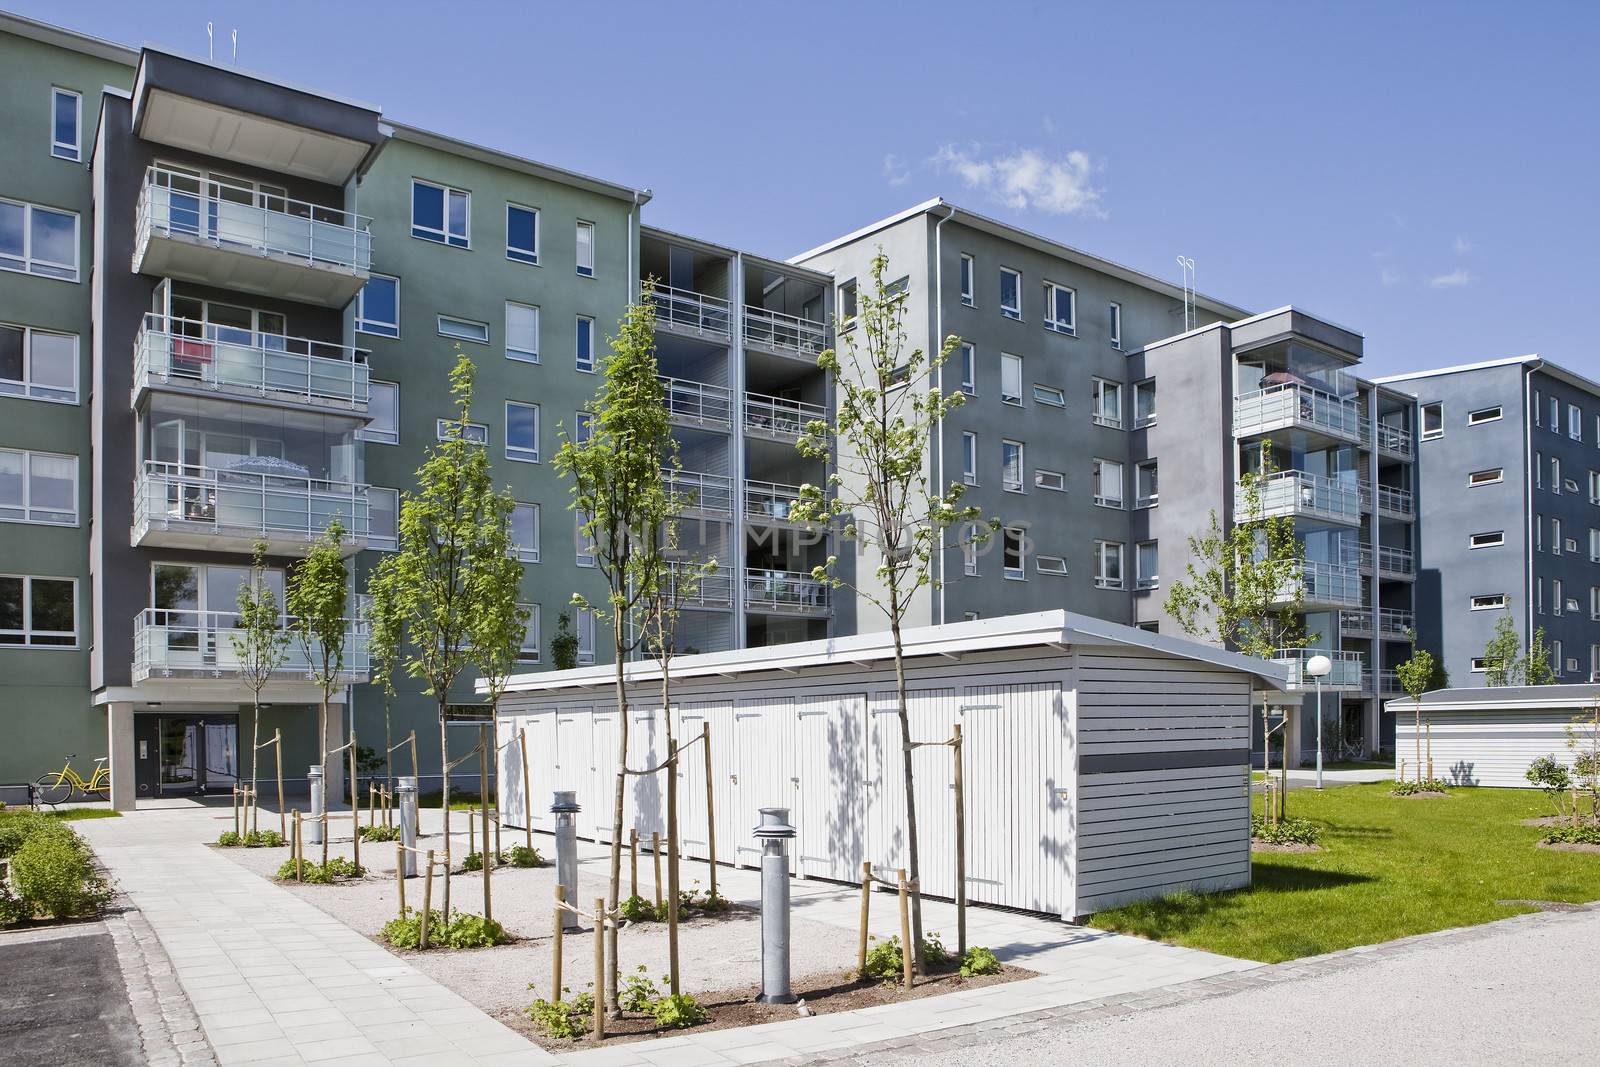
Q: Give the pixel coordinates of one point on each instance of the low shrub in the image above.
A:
(229, 839)
(979, 961)
(637, 909)
(474, 861)
(934, 954)
(406, 931)
(567, 1019)
(263, 839)
(380, 833)
(523, 856)
(692, 899)
(460, 931)
(678, 1011)
(638, 991)
(16, 827)
(1289, 831)
(54, 877)
(317, 874)
(885, 962)
(1582, 834)
(1427, 785)
(12, 910)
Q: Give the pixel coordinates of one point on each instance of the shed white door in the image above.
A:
(763, 731)
(573, 768)
(541, 767)
(602, 774)
(647, 747)
(693, 718)
(831, 763)
(932, 715)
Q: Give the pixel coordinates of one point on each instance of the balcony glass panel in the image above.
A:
(784, 591)
(788, 332)
(211, 356)
(775, 415)
(178, 642)
(696, 311)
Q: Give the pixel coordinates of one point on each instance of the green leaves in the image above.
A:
(260, 642)
(319, 596)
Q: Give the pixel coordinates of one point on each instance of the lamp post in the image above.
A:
(1319, 667)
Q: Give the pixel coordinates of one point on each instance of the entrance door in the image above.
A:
(197, 754)
(180, 757)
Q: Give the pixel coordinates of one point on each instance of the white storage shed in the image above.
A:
(1489, 736)
(1103, 763)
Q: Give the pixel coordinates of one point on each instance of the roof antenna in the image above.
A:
(211, 44)
(236, 48)
(1188, 292)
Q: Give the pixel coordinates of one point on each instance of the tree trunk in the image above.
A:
(1416, 704)
(616, 815)
(672, 821)
(913, 860)
(255, 732)
(444, 799)
(1268, 814)
(388, 744)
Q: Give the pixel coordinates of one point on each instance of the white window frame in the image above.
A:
(1019, 484)
(382, 437)
(967, 280)
(848, 297)
(445, 237)
(1487, 602)
(579, 225)
(1054, 481)
(26, 388)
(1015, 311)
(441, 430)
(1154, 499)
(27, 263)
(1555, 475)
(485, 339)
(969, 458)
(73, 152)
(1052, 309)
(1049, 395)
(1141, 423)
(1008, 359)
(1018, 573)
(1055, 566)
(1556, 601)
(582, 540)
(526, 553)
(1484, 415)
(1098, 411)
(1479, 665)
(1486, 539)
(584, 621)
(1594, 605)
(1116, 325)
(1154, 581)
(968, 355)
(1555, 415)
(582, 426)
(1487, 476)
(377, 327)
(526, 256)
(522, 355)
(969, 551)
(1100, 498)
(374, 539)
(1555, 536)
(1422, 417)
(529, 650)
(1594, 545)
(1105, 551)
(25, 506)
(519, 453)
(28, 634)
(585, 361)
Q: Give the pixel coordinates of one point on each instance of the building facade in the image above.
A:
(1510, 454)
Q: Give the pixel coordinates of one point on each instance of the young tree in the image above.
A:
(318, 598)
(1415, 675)
(564, 645)
(386, 632)
(886, 408)
(1509, 664)
(449, 535)
(1245, 586)
(500, 622)
(1583, 739)
(619, 493)
(1538, 665)
(260, 643)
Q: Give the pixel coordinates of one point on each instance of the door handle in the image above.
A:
(734, 778)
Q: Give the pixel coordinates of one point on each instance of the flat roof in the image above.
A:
(1055, 629)
(1533, 361)
(1507, 697)
(500, 158)
(1035, 241)
(71, 40)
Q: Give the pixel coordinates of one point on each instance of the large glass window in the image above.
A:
(1014, 552)
(1107, 403)
(529, 652)
(235, 444)
(1147, 487)
(1011, 466)
(1147, 565)
(383, 518)
(585, 635)
(464, 329)
(585, 343)
(378, 306)
(38, 364)
(384, 407)
(522, 432)
(522, 233)
(1108, 564)
(1116, 325)
(38, 240)
(38, 487)
(440, 213)
(966, 279)
(968, 359)
(38, 612)
(969, 458)
(525, 531)
(1010, 378)
(1010, 293)
(585, 249)
(1108, 483)
(66, 114)
(1144, 403)
(522, 332)
(1060, 308)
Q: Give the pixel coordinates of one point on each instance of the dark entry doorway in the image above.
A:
(181, 755)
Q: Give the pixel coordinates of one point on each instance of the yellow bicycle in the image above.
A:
(58, 787)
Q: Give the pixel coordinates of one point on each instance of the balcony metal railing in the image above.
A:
(1325, 583)
(1346, 673)
(1396, 440)
(714, 590)
(694, 491)
(233, 215)
(269, 365)
(1398, 562)
(769, 501)
(1289, 406)
(245, 503)
(1299, 493)
(696, 311)
(1394, 501)
(1387, 682)
(168, 642)
(785, 591)
(698, 402)
(1392, 622)
(791, 333)
(778, 417)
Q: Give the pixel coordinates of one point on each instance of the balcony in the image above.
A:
(688, 312)
(1323, 585)
(1300, 495)
(770, 503)
(1292, 406)
(170, 643)
(1392, 562)
(1396, 441)
(235, 236)
(785, 593)
(695, 590)
(1345, 677)
(696, 494)
(1396, 503)
(192, 356)
(786, 335)
(184, 506)
(1392, 623)
(696, 404)
(1386, 683)
(778, 419)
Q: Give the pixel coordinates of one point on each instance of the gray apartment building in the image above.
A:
(1510, 451)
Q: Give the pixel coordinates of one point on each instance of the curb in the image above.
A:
(169, 1029)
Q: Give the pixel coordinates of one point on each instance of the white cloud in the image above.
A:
(1463, 246)
(1027, 179)
(1454, 280)
(1388, 275)
(894, 169)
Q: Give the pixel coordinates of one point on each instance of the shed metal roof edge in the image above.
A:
(1510, 697)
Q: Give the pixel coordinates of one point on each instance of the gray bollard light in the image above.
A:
(313, 829)
(406, 791)
(566, 811)
(774, 833)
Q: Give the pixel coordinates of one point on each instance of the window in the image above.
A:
(1489, 602)
(66, 114)
(378, 306)
(38, 364)
(522, 432)
(1011, 466)
(1555, 537)
(1557, 664)
(1594, 487)
(1010, 293)
(1055, 481)
(1594, 603)
(969, 550)
(1538, 595)
(967, 357)
(1594, 545)
(1049, 394)
(1107, 403)
(847, 304)
(38, 612)
(1146, 565)
(38, 240)
(1108, 565)
(967, 266)
(525, 531)
(1485, 477)
(582, 427)
(1538, 533)
(384, 407)
(1483, 415)
(1556, 602)
(1050, 565)
(899, 287)
(585, 344)
(529, 652)
(1538, 470)
(1537, 407)
(585, 248)
(899, 377)
(38, 487)
(477, 433)
(522, 332)
(522, 234)
(1010, 378)
(383, 518)
(580, 519)
(969, 458)
(1014, 553)
(1555, 415)
(1108, 483)
(440, 213)
(1479, 665)
(1432, 421)
(1493, 539)
(585, 635)
(1146, 485)
(464, 329)
(1060, 308)
(1144, 403)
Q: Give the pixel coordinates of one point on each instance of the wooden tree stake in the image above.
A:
(400, 874)
(633, 862)
(907, 956)
(483, 792)
(961, 850)
(599, 969)
(427, 903)
(866, 908)
(655, 854)
(527, 796)
(277, 751)
(561, 896)
(711, 808)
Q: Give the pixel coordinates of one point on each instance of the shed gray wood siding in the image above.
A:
(1489, 747)
(1163, 777)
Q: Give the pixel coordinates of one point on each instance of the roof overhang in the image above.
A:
(1503, 698)
(520, 164)
(72, 40)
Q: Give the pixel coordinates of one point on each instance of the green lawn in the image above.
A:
(1391, 867)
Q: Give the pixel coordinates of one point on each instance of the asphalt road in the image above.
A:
(62, 999)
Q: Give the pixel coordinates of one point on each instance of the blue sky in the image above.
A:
(1422, 172)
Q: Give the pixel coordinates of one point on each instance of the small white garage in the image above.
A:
(1102, 763)
(1489, 736)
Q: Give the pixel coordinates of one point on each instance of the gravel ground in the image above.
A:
(1523, 994)
(714, 953)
